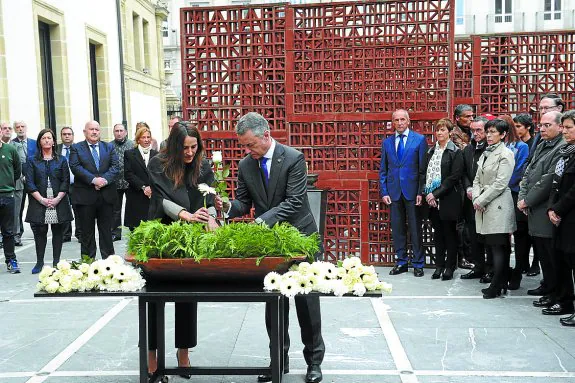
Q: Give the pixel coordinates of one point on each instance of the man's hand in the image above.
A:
(148, 192)
(521, 205)
(554, 218)
(99, 182)
(418, 200)
(218, 203)
(387, 200)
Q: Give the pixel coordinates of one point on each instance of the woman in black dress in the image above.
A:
(175, 174)
(47, 181)
(136, 173)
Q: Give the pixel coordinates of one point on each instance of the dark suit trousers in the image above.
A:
(67, 226)
(477, 247)
(444, 234)
(100, 212)
(404, 212)
(565, 265)
(544, 248)
(309, 318)
(116, 229)
(186, 325)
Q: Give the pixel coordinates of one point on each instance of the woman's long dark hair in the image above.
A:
(173, 154)
(39, 155)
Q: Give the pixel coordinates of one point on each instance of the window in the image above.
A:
(94, 83)
(503, 10)
(165, 29)
(552, 10)
(47, 75)
(146, 44)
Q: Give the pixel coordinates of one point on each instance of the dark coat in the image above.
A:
(84, 169)
(471, 155)
(562, 202)
(163, 188)
(37, 173)
(284, 200)
(136, 173)
(449, 193)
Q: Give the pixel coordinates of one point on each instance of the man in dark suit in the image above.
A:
(273, 179)
(401, 181)
(95, 168)
(64, 149)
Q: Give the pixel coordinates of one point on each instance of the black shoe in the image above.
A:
(418, 271)
(558, 309)
(447, 274)
(185, 376)
(486, 278)
(437, 273)
(18, 243)
(538, 291)
(491, 292)
(465, 264)
(533, 271)
(473, 274)
(568, 321)
(268, 377)
(515, 279)
(398, 270)
(313, 374)
(544, 301)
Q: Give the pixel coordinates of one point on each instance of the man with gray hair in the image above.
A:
(533, 200)
(273, 179)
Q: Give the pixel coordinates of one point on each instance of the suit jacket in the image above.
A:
(536, 186)
(491, 191)
(405, 177)
(59, 151)
(30, 146)
(84, 169)
(562, 202)
(136, 174)
(285, 198)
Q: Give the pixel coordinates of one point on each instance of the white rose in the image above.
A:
(115, 259)
(64, 265)
(52, 287)
(217, 157)
(84, 268)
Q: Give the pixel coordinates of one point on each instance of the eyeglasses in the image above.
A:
(546, 108)
(547, 125)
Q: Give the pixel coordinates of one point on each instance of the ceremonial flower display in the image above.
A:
(111, 274)
(348, 277)
(221, 172)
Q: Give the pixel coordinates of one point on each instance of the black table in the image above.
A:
(212, 292)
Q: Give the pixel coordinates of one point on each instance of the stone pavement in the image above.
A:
(425, 331)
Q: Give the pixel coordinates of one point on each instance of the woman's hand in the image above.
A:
(201, 215)
(554, 218)
(431, 201)
(212, 224)
(478, 207)
(148, 192)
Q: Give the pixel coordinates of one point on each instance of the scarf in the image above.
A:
(565, 152)
(433, 175)
(491, 148)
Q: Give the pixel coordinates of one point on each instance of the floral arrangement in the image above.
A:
(111, 274)
(349, 276)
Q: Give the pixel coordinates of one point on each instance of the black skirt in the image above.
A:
(494, 239)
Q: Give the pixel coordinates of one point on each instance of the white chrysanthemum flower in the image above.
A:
(272, 281)
(304, 268)
(294, 267)
(317, 269)
(354, 273)
(304, 284)
(368, 270)
(384, 287)
(359, 289)
(205, 189)
(313, 281)
(339, 288)
(108, 268)
(217, 157)
(115, 259)
(122, 273)
(291, 274)
(324, 286)
(64, 265)
(330, 270)
(289, 287)
(84, 268)
(341, 272)
(95, 271)
(52, 286)
(351, 262)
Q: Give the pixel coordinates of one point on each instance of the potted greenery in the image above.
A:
(238, 250)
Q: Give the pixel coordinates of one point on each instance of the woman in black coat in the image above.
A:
(47, 181)
(562, 214)
(444, 195)
(175, 174)
(136, 173)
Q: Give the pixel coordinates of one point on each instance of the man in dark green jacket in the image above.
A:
(10, 171)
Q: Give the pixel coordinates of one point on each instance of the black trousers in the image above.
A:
(544, 248)
(500, 254)
(444, 233)
(186, 325)
(309, 318)
(24, 196)
(565, 273)
(100, 213)
(41, 237)
(7, 226)
(477, 247)
(67, 226)
(523, 244)
(116, 229)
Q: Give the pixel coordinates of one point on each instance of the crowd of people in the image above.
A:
(488, 183)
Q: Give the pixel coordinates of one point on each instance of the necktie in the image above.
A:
(264, 166)
(96, 156)
(400, 147)
(67, 149)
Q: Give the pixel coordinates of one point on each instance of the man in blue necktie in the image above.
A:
(64, 149)
(401, 180)
(95, 167)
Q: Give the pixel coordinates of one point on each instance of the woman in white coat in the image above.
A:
(493, 203)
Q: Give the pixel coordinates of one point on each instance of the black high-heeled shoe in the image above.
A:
(437, 273)
(185, 376)
(491, 292)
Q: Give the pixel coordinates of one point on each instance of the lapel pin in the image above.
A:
(279, 160)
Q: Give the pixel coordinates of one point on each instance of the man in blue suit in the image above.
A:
(401, 181)
(95, 167)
